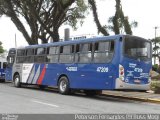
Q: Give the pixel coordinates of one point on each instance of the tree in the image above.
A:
(1, 48)
(156, 48)
(120, 22)
(43, 17)
(101, 29)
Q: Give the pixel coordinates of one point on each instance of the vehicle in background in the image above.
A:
(10, 62)
(116, 62)
(3, 64)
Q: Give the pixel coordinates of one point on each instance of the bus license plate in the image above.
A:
(137, 81)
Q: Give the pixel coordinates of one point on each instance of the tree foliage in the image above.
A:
(1, 48)
(156, 48)
(120, 22)
(44, 17)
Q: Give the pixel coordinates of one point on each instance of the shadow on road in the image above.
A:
(73, 94)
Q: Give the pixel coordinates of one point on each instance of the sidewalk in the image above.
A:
(132, 95)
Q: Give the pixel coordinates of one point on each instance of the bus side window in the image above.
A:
(40, 55)
(72, 49)
(52, 54)
(21, 56)
(61, 49)
(40, 51)
(103, 52)
(112, 46)
(85, 53)
(47, 50)
(30, 54)
(96, 46)
(66, 55)
(77, 50)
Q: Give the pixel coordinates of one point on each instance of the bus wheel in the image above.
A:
(92, 92)
(17, 82)
(63, 86)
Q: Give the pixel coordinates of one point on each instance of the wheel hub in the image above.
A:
(63, 85)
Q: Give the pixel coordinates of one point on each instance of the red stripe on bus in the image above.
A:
(40, 79)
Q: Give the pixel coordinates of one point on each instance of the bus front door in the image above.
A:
(8, 71)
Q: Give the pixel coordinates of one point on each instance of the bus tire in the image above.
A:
(63, 86)
(17, 82)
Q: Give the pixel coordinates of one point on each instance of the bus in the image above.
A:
(119, 62)
(3, 64)
(10, 62)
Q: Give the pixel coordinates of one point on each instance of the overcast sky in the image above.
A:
(145, 12)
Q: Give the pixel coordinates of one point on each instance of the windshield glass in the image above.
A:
(137, 48)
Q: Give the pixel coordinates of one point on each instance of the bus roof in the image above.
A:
(72, 42)
(75, 41)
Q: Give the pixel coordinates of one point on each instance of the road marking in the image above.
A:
(48, 104)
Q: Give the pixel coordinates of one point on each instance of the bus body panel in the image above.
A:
(91, 76)
(80, 76)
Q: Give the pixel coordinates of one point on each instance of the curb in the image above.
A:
(150, 100)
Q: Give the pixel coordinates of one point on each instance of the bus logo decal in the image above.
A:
(71, 68)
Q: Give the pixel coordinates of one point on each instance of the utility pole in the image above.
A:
(155, 42)
(15, 41)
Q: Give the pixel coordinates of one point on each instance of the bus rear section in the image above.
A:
(135, 64)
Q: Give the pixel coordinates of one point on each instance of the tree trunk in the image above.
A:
(55, 35)
(21, 28)
(99, 26)
(34, 37)
(11, 13)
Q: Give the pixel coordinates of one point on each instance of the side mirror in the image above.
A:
(120, 39)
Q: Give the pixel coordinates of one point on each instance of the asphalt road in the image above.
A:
(30, 100)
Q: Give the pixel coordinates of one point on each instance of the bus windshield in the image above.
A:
(137, 48)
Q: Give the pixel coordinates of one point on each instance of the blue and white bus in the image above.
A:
(3, 64)
(94, 64)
